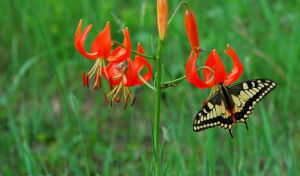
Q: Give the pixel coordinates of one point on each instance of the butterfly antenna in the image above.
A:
(230, 133)
(246, 125)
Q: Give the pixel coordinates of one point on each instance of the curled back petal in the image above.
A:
(147, 76)
(237, 68)
(139, 63)
(80, 39)
(210, 62)
(120, 54)
(77, 33)
(102, 43)
(213, 61)
(191, 73)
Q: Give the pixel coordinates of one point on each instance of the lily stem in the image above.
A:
(157, 107)
(185, 3)
(172, 83)
(135, 52)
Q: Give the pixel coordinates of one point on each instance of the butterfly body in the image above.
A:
(228, 102)
(232, 104)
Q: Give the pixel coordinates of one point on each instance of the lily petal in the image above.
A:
(213, 61)
(139, 63)
(77, 33)
(120, 54)
(102, 43)
(147, 76)
(191, 73)
(80, 39)
(237, 68)
(132, 76)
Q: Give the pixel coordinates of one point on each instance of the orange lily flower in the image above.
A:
(214, 62)
(100, 51)
(126, 74)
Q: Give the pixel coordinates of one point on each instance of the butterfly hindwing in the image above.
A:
(248, 93)
(212, 114)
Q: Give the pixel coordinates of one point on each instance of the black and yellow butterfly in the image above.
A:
(232, 104)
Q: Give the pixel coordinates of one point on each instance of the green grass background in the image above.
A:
(51, 125)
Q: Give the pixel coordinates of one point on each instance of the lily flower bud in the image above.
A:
(162, 18)
(192, 30)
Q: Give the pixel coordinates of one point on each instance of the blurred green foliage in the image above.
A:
(50, 124)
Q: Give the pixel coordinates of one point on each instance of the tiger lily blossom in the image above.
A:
(125, 74)
(217, 73)
(100, 51)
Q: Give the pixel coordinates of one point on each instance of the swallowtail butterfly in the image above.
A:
(232, 104)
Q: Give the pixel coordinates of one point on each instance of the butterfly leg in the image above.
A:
(230, 133)
(246, 125)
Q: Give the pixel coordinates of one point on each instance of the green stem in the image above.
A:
(133, 51)
(157, 107)
(185, 3)
(172, 83)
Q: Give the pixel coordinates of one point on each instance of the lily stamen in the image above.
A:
(115, 88)
(130, 96)
(117, 91)
(104, 68)
(97, 68)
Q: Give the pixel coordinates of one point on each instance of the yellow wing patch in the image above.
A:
(250, 94)
(213, 115)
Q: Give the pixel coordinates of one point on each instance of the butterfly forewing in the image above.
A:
(248, 93)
